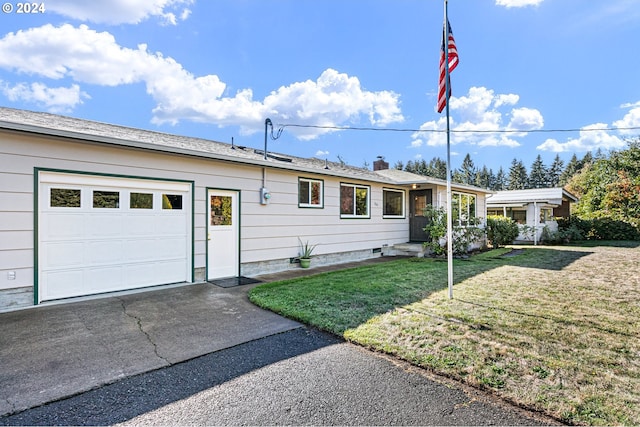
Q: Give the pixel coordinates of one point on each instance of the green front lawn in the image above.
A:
(555, 329)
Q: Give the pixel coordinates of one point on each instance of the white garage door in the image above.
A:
(102, 234)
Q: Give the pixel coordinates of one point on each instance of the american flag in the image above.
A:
(453, 63)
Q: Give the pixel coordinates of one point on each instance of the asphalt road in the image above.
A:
(299, 377)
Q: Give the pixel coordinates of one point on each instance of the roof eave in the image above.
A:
(128, 143)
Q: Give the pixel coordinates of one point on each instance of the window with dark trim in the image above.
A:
(310, 193)
(354, 201)
(392, 203)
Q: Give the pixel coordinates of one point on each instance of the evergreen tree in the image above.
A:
(555, 171)
(409, 167)
(517, 175)
(573, 167)
(500, 182)
(538, 174)
(586, 160)
(483, 178)
(467, 172)
(438, 168)
(399, 165)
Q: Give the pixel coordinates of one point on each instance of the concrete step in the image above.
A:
(409, 249)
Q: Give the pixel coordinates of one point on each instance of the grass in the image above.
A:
(554, 329)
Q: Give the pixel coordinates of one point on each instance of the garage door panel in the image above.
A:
(141, 250)
(171, 248)
(64, 225)
(103, 225)
(141, 225)
(84, 248)
(63, 254)
(104, 252)
(171, 224)
(63, 284)
(104, 279)
(139, 275)
(171, 270)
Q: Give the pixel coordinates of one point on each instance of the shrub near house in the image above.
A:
(465, 237)
(501, 230)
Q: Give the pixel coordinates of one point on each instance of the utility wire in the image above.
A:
(606, 129)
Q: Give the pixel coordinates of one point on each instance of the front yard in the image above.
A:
(554, 329)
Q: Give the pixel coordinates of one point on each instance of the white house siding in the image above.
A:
(269, 232)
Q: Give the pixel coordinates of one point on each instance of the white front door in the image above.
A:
(223, 233)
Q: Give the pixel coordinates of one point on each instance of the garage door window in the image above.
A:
(141, 201)
(106, 199)
(64, 198)
(172, 201)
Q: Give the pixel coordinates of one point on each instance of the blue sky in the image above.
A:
(218, 69)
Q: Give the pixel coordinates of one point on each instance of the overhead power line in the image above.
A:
(605, 129)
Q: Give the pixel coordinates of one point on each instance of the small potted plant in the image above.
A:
(306, 250)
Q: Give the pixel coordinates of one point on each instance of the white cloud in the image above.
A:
(518, 3)
(55, 100)
(631, 119)
(630, 105)
(525, 119)
(332, 99)
(590, 138)
(122, 11)
(87, 56)
(321, 153)
(482, 111)
(593, 136)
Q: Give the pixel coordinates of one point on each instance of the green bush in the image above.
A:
(599, 227)
(436, 229)
(501, 230)
(561, 235)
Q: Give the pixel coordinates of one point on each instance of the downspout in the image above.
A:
(535, 223)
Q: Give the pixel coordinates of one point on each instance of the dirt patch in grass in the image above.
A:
(553, 329)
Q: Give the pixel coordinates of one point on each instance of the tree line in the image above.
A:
(608, 187)
(515, 178)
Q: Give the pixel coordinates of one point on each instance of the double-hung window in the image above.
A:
(310, 193)
(354, 201)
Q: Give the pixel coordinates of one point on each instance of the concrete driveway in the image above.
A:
(51, 352)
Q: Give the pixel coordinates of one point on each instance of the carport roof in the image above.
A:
(539, 195)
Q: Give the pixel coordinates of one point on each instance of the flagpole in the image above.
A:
(449, 207)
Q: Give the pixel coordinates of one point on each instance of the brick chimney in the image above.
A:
(380, 164)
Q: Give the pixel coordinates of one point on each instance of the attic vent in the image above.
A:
(273, 156)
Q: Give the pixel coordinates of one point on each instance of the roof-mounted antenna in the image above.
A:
(233, 147)
(326, 164)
